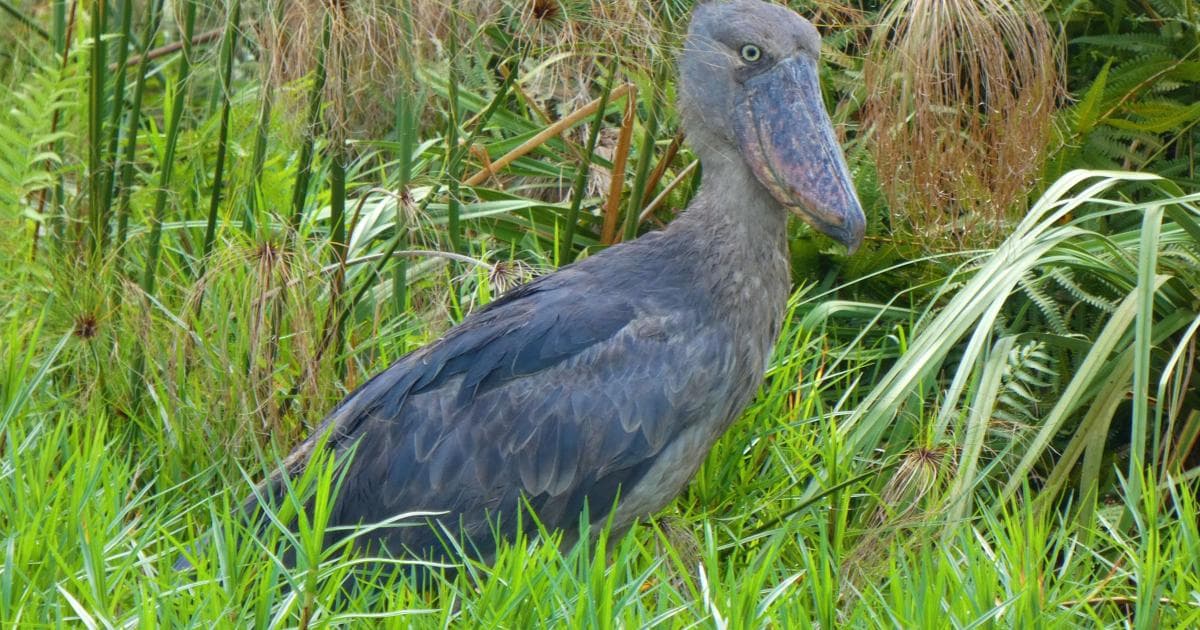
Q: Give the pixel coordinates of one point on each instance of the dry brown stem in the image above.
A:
(545, 135)
(612, 205)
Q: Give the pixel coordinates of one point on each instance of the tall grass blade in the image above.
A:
(167, 165)
(453, 210)
(228, 51)
(97, 99)
(25, 20)
(1147, 283)
(117, 108)
(406, 140)
(338, 247)
(979, 417)
(134, 118)
(262, 129)
(566, 246)
(313, 125)
(21, 392)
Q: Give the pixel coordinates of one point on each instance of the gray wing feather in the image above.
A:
(541, 395)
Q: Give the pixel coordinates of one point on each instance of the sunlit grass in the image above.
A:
(95, 528)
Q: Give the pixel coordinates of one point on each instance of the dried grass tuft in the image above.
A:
(366, 63)
(376, 44)
(567, 41)
(961, 95)
(906, 505)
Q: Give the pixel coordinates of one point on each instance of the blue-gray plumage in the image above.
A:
(607, 382)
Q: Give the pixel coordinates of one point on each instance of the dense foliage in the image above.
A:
(217, 218)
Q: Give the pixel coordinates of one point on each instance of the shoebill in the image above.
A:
(604, 385)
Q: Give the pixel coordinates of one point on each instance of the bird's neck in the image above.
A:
(734, 213)
(737, 234)
(734, 237)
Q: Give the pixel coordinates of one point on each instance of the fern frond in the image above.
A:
(1186, 253)
(1174, 168)
(1158, 115)
(1031, 285)
(1135, 74)
(1066, 280)
(1102, 150)
(1167, 85)
(27, 159)
(1169, 8)
(1143, 43)
(1027, 382)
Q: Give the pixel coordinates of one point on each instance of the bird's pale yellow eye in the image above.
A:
(751, 53)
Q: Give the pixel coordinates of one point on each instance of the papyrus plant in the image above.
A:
(960, 94)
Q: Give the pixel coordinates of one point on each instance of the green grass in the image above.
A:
(96, 516)
(998, 437)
